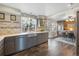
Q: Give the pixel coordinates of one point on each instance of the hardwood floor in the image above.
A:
(50, 48)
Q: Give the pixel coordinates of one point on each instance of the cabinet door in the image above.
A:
(1, 47)
(39, 38)
(21, 43)
(32, 41)
(42, 37)
(9, 44)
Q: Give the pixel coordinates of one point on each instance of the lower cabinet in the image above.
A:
(25, 42)
(1, 47)
(21, 43)
(18, 43)
(9, 45)
(42, 37)
(32, 41)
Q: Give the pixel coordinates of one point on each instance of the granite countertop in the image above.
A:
(3, 36)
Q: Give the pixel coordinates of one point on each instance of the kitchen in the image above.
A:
(20, 31)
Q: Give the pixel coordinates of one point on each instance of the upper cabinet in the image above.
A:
(42, 23)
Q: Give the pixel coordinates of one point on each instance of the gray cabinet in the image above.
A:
(9, 45)
(1, 47)
(24, 42)
(32, 41)
(21, 42)
(18, 43)
(39, 38)
(42, 37)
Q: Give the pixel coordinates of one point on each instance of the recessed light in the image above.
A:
(70, 5)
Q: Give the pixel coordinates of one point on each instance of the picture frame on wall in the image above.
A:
(2, 16)
(13, 17)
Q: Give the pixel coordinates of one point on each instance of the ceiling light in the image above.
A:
(70, 20)
(66, 20)
(70, 29)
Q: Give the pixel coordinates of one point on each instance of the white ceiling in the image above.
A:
(48, 9)
(34, 8)
(54, 8)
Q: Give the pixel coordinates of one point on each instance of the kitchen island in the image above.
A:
(18, 42)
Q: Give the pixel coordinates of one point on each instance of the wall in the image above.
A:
(77, 35)
(8, 26)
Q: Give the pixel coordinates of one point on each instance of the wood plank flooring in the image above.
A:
(50, 48)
